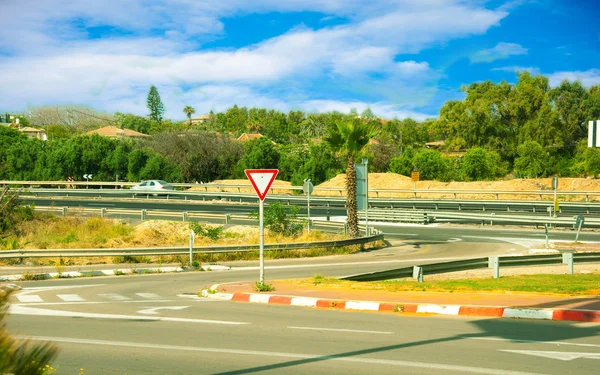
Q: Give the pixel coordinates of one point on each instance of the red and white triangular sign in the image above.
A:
(261, 180)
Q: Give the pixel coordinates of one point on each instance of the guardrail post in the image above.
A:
(103, 213)
(547, 244)
(346, 229)
(227, 218)
(418, 273)
(64, 211)
(191, 246)
(567, 258)
(494, 262)
(144, 213)
(185, 216)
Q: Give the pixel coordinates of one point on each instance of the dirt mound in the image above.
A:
(159, 232)
(393, 181)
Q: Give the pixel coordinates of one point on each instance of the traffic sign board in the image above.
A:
(87, 176)
(415, 176)
(261, 180)
(308, 187)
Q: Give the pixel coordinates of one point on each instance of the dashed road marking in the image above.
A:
(70, 297)
(114, 297)
(149, 295)
(29, 298)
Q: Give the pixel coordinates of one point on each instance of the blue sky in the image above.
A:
(400, 58)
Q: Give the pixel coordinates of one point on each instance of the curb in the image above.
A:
(458, 310)
(115, 272)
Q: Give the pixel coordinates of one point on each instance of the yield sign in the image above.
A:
(261, 180)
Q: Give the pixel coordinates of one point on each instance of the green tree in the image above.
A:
(349, 138)
(532, 161)
(281, 221)
(259, 153)
(155, 105)
(431, 165)
(189, 111)
(479, 164)
(404, 163)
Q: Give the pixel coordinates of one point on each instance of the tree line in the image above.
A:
(527, 129)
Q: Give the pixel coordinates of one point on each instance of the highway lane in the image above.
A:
(420, 202)
(193, 337)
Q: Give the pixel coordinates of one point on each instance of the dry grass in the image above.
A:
(50, 232)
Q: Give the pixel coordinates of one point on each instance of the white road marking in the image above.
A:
(439, 309)
(29, 298)
(454, 240)
(536, 342)
(153, 310)
(47, 288)
(561, 356)
(114, 296)
(90, 302)
(26, 310)
(149, 295)
(70, 297)
(295, 356)
(342, 330)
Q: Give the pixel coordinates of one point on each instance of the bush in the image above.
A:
(12, 211)
(279, 221)
(214, 233)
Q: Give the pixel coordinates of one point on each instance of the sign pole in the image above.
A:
(261, 180)
(262, 241)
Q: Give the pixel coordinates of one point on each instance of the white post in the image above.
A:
(191, 246)
(262, 242)
(308, 210)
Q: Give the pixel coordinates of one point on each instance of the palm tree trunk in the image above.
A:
(351, 204)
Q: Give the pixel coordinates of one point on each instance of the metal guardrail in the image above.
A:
(418, 272)
(74, 253)
(397, 216)
(375, 193)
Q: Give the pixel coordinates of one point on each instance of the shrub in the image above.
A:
(262, 287)
(214, 233)
(279, 221)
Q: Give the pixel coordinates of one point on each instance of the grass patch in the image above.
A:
(588, 284)
(262, 287)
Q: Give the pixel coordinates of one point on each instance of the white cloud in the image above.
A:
(52, 59)
(500, 51)
(588, 78)
(382, 110)
(530, 69)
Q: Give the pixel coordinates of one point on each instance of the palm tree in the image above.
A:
(189, 111)
(312, 127)
(349, 138)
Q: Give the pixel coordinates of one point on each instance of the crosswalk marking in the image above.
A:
(29, 298)
(114, 297)
(70, 297)
(149, 295)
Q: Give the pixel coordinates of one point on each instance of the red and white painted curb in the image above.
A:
(464, 310)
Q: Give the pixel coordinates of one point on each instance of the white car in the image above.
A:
(152, 186)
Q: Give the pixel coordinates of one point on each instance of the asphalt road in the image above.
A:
(143, 329)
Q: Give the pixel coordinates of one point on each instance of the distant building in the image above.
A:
(200, 119)
(435, 145)
(248, 137)
(34, 133)
(114, 132)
